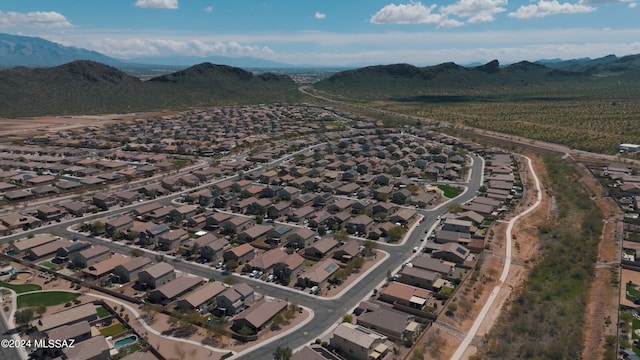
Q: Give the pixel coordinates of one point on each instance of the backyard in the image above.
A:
(113, 330)
(21, 288)
(632, 291)
(450, 191)
(48, 298)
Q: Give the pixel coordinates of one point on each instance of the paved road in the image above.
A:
(327, 312)
(7, 353)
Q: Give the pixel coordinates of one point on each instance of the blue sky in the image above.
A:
(333, 32)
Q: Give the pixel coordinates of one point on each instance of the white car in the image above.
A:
(416, 249)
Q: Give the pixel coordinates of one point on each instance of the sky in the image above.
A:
(335, 32)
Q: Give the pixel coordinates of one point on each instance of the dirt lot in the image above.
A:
(470, 298)
(24, 127)
(603, 296)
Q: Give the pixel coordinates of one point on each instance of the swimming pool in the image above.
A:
(125, 341)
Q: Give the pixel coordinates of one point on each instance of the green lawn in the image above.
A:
(446, 291)
(46, 298)
(113, 330)
(632, 292)
(486, 223)
(102, 312)
(48, 264)
(127, 350)
(450, 191)
(633, 236)
(21, 288)
(635, 325)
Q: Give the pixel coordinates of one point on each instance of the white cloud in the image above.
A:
(318, 15)
(134, 47)
(157, 4)
(546, 8)
(208, 9)
(632, 5)
(37, 19)
(412, 13)
(475, 10)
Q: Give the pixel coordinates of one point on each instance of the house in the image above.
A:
(301, 213)
(202, 299)
(173, 289)
(401, 197)
(90, 256)
(320, 248)
(347, 251)
(214, 221)
(213, 249)
(279, 209)
(241, 254)
(394, 324)
(104, 267)
(68, 316)
(266, 261)
(170, 240)
(95, 348)
(235, 299)
(452, 252)
(129, 270)
(444, 268)
(315, 352)
(458, 225)
(254, 233)
(127, 197)
(358, 343)
(104, 201)
(50, 213)
(418, 277)
(37, 240)
(183, 212)
(236, 224)
(359, 225)
(13, 220)
(301, 238)
(289, 267)
(447, 236)
(277, 233)
(79, 331)
(405, 295)
(117, 224)
(259, 315)
(146, 208)
(403, 216)
(49, 248)
(76, 208)
(318, 273)
(156, 275)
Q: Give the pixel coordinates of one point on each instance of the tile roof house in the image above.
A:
(391, 323)
(156, 275)
(301, 237)
(170, 240)
(318, 273)
(68, 316)
(129, 270)
(358, 342)
(320, 248)
(173, 289)
(347, 251)
(95, 348)
(202, 298)
(259, 315)
(235, 299)
(90, 256)
(241, 254)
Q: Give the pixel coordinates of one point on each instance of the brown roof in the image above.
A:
(104, 266)
(159, 270)
(242, 250)
(178, 286)
(208, 291)
(404, 292)
(94, 251)
(261, 313)
(136, 263)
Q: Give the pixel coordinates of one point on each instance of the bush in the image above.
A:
(67, 304)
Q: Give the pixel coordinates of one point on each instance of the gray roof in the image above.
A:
(385, 319)
(87, 349)
(69, 331)
(158, 270)
(178, 286)
(136, 263)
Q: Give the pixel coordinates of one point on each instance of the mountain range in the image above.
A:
(28, 51)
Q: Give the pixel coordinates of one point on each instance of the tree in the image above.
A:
(396, 233)
(278, 321)
(245, 331)
(24, 317)
(369, 247)
(137, 252)
(231, 264)
(41, 310)
(322, 230)
(454, 208)
(341, 235)
(195, 249)
(282, 353)
(347, 318)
